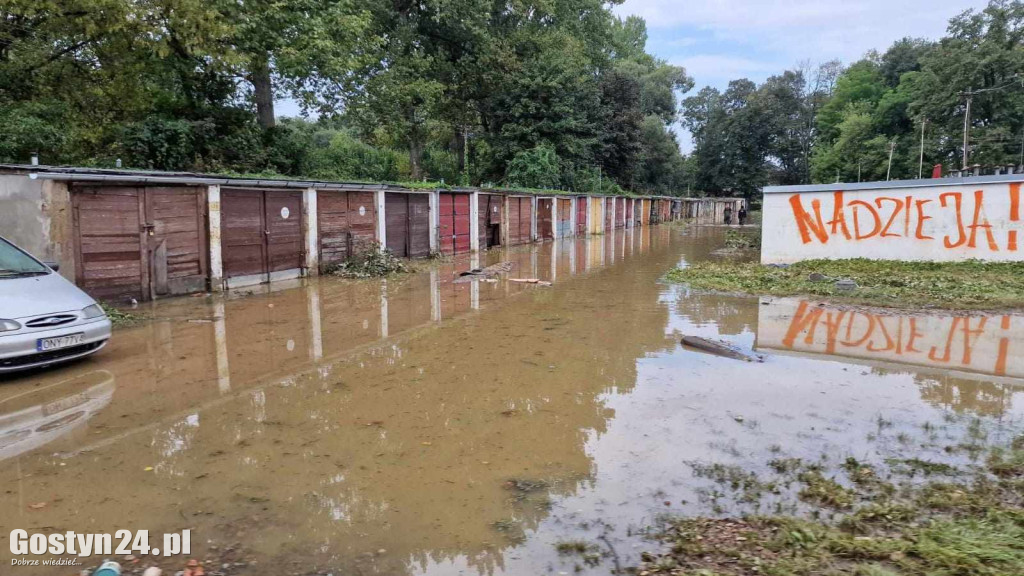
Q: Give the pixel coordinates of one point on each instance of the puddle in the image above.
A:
(425, 426)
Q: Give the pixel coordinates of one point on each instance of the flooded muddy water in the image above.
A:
(422, 426)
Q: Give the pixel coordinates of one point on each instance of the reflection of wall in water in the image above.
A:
(979, 343)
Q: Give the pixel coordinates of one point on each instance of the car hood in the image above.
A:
(36, 295)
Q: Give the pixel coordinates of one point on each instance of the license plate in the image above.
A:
(46, 344)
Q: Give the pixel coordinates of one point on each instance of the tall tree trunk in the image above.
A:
(263, 92)
(460, 149)
(415, 144)
(415, 157)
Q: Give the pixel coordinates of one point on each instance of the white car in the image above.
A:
(44, 319)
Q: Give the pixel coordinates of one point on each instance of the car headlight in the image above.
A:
(93, 311)
(9, 325)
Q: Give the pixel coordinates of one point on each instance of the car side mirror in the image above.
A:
(53, 266)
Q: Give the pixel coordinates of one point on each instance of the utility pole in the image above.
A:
(969, 95)
(892, 148)
(967, 123)
(920, 160)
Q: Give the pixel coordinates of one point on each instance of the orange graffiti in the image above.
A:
(862, 220)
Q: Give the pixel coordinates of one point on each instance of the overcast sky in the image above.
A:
(721, 40)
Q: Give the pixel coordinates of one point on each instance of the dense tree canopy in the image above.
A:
(559, 94)
(552, 94)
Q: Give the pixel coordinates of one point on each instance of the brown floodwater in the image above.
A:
(424, 426)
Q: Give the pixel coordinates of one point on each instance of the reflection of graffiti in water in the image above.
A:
(980, 343)
(40, 417)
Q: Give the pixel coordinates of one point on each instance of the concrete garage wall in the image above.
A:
(35, 214)
(944, 219)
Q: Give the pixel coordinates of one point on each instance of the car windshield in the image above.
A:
(14, 262)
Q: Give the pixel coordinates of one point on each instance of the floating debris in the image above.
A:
(720, 348)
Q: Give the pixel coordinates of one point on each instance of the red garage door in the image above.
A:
(620, 213)
(581, 215)
(453, 217)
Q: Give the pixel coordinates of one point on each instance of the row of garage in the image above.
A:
(145, 235)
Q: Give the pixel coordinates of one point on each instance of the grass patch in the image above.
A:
(953, 285)
(972, 525)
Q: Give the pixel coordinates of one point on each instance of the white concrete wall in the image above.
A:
(22, 217)
(930, 220)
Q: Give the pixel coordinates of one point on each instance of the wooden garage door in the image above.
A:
(407, 224)
(489, 220)
(261, 231)
(111, 256)
(519, 220)
(453, 219)
(609, 208)
(139, 242)
(284, 230)
(564, 217)
(176, 224)
(545, 230)
(581, 215)
(620, 213)
(346, 223)
(243, 246)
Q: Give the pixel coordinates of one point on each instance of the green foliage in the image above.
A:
(956, 285)
(538, 167)
(119, 318)
(450, 92)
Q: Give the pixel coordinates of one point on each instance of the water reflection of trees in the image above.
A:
(733, 315)
(962, 395)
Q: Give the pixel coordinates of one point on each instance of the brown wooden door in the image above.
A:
(261, 231)
(176, 240)
(396, 213)
(408, 224)
(346, 224)
(243, 244)
(140, 242)
(544, 224)
(419, 225)
(489, 220)
(283, 222)
(520, 214)
(620, 213)
(112, 259)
